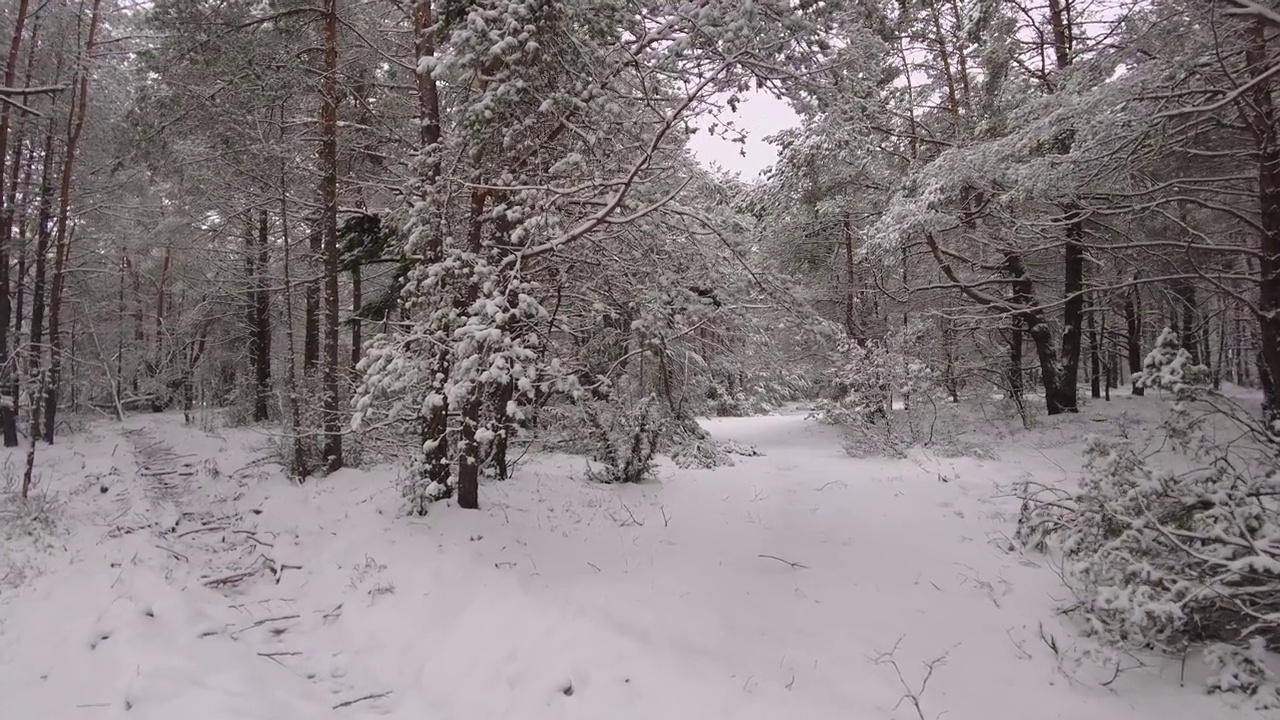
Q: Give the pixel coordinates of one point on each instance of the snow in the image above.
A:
(767, 589)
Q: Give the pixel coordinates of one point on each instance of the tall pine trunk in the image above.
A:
(1264, 120)
(8, 197)
(331, 419)
(62, 238)
(261, 326)
(468, 449)
(1095, 357)
(434, 424)
(44, 235)
(1133, 337)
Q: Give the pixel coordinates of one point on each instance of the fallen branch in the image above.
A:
(262, 563)
(913, 696)
(174, 553)
(250, 534)
(210, 528)
(633, 517)
(374, 696)
(795, 565)
(260, 623)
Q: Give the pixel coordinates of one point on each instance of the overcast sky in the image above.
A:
(760, 115)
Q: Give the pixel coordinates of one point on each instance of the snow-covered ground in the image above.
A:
(186, 578)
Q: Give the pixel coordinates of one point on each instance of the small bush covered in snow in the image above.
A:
(625, 442)
(1166, 559)
(1170, 367)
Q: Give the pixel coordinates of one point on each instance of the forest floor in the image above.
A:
(176, 574)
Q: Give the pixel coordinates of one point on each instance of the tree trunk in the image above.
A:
(121, 311)
(1190, 341)
(503, 428)
(469, 453)
(44, 217)
(1014, 371)
(357, 303)
(1095, 358)
(62, 238)
(331, 403)
(1133, 327)
(851, 290)
(311, 309)
(1030, 315)
(433, 427)
(298, 465)
(1265, 123)
(261, 323)
(1072, 315)
(19, 304)
(8, 416)
(949, 379)
(468, 450)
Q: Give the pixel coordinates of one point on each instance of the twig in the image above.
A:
(1114, 675)
(633, 517)
(231, 579)
(259, 623)
(593, 565)
(1050, 641)
(210, 528)
(914, 696)
(666, 521)
(249, 534)
(175, 553)
(281, 568)
(273, 657)
(374, 696)
(792, 564)
(1022, 652)
(334, 613)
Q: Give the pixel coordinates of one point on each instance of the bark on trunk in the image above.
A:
(851, 290)
(1031, 316)
(331, 403)
(1014, 372)
(1072, 315)
(433, 426)
(8, 416)
(311, 308)
(357, 302)
(261, 321)
(468, 450)
(1133, 327)
(44, 217)
(1268, 142)
(62, 238)
(1095, 359)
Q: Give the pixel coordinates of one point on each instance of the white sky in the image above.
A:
(760, 115)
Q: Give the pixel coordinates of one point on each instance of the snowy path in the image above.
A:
(561, 599)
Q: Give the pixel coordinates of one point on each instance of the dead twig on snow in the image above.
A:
(916, 695)
(795, 565)
(374, 696)
(262, 622)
